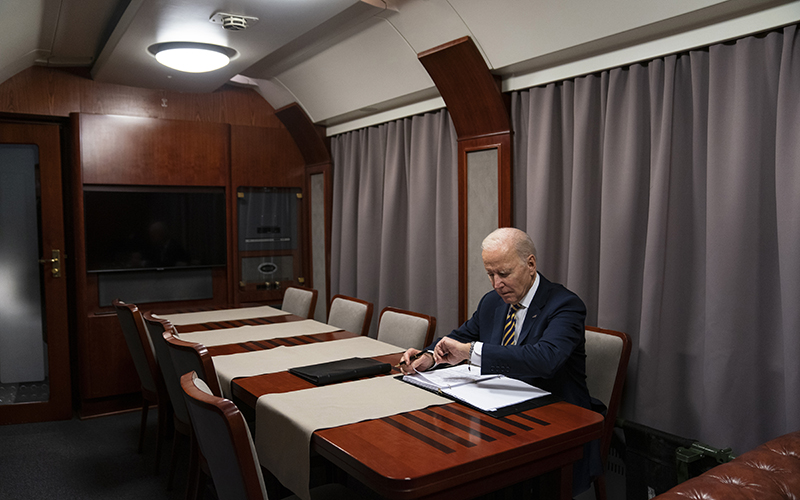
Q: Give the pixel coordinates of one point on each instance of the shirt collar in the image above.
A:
(526, 300)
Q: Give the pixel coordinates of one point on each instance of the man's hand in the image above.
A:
(451, 351)
(422, 363)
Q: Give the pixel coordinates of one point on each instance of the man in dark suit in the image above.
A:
(526, 328)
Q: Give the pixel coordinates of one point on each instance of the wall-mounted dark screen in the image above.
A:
(138, 228)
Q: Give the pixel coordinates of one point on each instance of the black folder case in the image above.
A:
(341, 370)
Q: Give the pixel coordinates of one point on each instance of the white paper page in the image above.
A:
(488, 395)
(449, 377)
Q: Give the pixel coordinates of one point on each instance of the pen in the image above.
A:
(414, 357)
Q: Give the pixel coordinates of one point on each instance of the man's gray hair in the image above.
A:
(518, 239)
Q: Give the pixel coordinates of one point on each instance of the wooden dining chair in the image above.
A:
(300, 301)
(152, 383)
(405, 329)
(607, 355)
(350, 314)
(190, 357)
(224, 438)
(155, 328)
(193, 357)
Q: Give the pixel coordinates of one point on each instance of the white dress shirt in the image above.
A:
(521, 313)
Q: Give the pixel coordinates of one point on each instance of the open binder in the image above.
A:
(341, 370)
(495, 395)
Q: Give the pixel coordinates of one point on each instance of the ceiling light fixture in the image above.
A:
(192, 57)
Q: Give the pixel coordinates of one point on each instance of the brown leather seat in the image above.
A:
(768, 472)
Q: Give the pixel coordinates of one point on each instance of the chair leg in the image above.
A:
(174, 462)
(600, 487)
(163, 422)
(143, 425)
(193, 482)
(202, 484)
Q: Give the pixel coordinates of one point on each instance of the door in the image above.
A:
(34, 338)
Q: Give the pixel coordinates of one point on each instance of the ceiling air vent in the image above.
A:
(233, 22)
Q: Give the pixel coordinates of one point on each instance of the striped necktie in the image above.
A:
(511, 324)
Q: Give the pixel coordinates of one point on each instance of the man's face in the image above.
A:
(510, 276)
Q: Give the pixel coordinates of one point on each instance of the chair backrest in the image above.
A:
(139, 345)
(193, 357)
(350, 314)
(155, 328)
(300, 301)
(225, 441)
(405, 328)
(607, 355)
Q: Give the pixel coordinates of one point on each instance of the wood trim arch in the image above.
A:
(471, 92)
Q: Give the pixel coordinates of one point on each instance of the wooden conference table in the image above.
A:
(446, 451)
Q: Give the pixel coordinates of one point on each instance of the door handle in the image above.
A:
(55, 269)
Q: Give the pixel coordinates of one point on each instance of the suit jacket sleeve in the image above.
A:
(553, 333)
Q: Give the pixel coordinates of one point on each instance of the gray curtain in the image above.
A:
(394, 239)
(667, 195)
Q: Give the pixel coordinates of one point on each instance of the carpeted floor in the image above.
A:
(86, 459)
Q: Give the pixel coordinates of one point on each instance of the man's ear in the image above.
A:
(532, 264)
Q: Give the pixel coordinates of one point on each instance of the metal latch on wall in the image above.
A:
(55, 261)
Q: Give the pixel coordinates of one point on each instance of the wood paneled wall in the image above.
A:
(135, 136)
(147, 151)
(58, 92)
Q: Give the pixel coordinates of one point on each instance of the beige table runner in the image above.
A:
(285, 422)
(222, 315)
(231, 366)
(223, 336)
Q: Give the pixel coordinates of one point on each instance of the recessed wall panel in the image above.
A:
(482, 217)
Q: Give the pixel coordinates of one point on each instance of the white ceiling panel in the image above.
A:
(76, 41)
(27, 34)
(517, 30)
(427, 24)
(374, 65)
(126, 60)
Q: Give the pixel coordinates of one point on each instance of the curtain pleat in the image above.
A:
(787, 199)
(395, 217)
(666, 194)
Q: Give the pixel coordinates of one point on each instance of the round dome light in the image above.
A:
(191, 57)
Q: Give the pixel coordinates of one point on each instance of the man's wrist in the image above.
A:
(433, 357)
